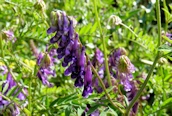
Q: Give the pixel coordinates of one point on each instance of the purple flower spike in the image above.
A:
(70, 52)
(87, 81)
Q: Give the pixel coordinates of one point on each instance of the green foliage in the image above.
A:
(30, 19)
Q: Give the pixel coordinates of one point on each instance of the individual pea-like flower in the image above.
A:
(87, 81)
(10, 35)
(45, 63)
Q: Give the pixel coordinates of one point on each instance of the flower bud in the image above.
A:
(47, 60)
(124, 65)
(162, 61)
(115, 20)
(122, 51)
(40, 5)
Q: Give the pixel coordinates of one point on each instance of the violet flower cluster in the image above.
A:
(46, 61)
(6, 87)
(122, 69)
(70, 50)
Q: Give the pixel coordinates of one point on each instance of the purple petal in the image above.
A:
(51, 30)
(79, 82)
(54, 39)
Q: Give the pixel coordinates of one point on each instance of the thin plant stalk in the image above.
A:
(104, 44)
(158, 21)
(1, 47)
(104, 89)
(166, 22)
(154, 63)
(30, 95)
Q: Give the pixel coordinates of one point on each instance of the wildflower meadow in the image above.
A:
(85, 58)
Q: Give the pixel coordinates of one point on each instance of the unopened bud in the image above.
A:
(162, 61)
(124, 65)
(122, 50)
(115, 20)
(47, 60)
(40, 5)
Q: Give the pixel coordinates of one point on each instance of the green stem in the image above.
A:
(30, 95)
(163, 83)
(104, 89)
(5, 97)
(1, 47)
(166, 22)
(154, 63)
(129, 29)
(158, 21)
(143, 86)
(104, 44)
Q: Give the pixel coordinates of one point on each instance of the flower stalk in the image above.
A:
(104, 44)
(104, 89)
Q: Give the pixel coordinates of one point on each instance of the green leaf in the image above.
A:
(167, 39)
(85, 29)
(62, 100)
(165, 48)
(167, 102)
(11, 91)
(68, 111)
(114, 112)
(18, 91)
(28, 113)
(5, 88)
(93, 28)
(80, 111)
(92, 109)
